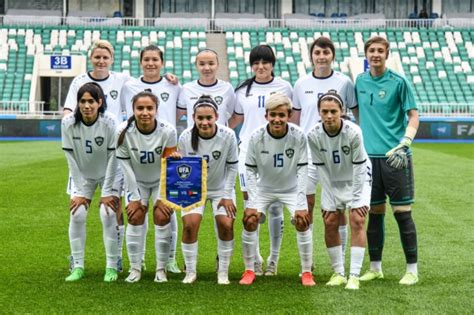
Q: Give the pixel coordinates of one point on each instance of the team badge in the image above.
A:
(159, 149)
(346, 149)
(99, 140)
(218, 100)
(382, 93)
(216, 155)
(165, 96)
(184, 171)
(289, 153)
(114, 94)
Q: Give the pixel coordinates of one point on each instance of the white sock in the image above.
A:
(258, 257)
(305, 249)
(135, 235)
(174, 236)
(343, 236)
(275, 226)
(77, 235)
(190, 252)
(357, 258)
(249, 242)
(413, 268)
(120, 239)
(162, 245)
(376, 265)
(109, 235)
(335, 254)
(145, 233)
(224, 250)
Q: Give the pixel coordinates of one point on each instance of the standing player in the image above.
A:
(88, 139)
(389, 121)
(250, 110)
(218, 146)
(308, 90)
(338, 152)
(142, 142)
(151, 61)
(277, 153)
(207, 64)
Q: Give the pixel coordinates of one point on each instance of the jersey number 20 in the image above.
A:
(147, 157)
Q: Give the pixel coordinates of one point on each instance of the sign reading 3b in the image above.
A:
(61, 62)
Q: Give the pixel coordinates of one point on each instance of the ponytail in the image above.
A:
(195, 138)
(124, 131)
(247, 83)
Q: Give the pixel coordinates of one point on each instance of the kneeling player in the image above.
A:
(277, 156)
(338, 152)
(218, 146)
(88, 138)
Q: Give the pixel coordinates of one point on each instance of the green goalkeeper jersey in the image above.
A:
(383, 105)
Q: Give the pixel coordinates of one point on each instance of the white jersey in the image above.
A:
(140, 155)
(92, 148)
(277, 159)
(220, 152)
(222, 92)
(253, 105)
(112, 86)
(309, 89)
(166, 92)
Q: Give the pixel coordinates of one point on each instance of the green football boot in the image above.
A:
(371, 275)
(353, 283)
(336, 279)
(76, 274)
(111, 275)
(172, 266)
(409, 279)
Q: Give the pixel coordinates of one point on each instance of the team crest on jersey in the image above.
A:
(183, 171)
(165, 96)
(114, 94)
(99, 140)
(382, 93)
(159, 149)
(289, 153)
(216, 155)
(218, 100)
(346, 149)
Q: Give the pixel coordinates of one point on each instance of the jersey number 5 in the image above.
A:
(88, 146)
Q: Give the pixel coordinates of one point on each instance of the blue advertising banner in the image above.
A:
(61, 62)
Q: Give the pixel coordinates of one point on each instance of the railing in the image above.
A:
(446, 109)
(220, 25)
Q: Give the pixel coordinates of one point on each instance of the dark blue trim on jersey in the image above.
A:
(268, 130)
(238, 113)
(147, 133)
(91, 124)
(154, 82)
(248, 165)
(123, 158)
(361, 162)
(235, 162)
(111, 149)
(337, 133)
(215, 133)
(94, 79)
(207, 86)
(297, 109)
(302, 164)
(181, 108)
(255, 81)
(322, 78)
(68, 149)
(318, 164)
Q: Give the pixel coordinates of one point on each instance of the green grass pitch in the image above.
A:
(34, 249)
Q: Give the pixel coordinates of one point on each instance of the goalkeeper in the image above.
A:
(389, 121)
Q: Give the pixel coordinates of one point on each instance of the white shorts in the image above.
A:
(89, 187)
(292, 201)
(340, 196)
(146, 193)
(214, 198)
(313, 179)
(242, 170)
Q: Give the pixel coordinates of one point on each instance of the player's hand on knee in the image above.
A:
(229, 207)
(251, 219)
(361, 211)
(164, 209)
(111, 202)
(302, 220)
(78, 201)
(134, 208)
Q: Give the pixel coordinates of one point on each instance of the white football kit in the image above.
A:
(166, 92)
(90, 151)
(220, 152)
(222, 92)
(343, 166)
(308, 90)
(140, 157)
(112, 87)
(280, 165)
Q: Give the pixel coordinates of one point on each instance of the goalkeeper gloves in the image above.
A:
(397, 157)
